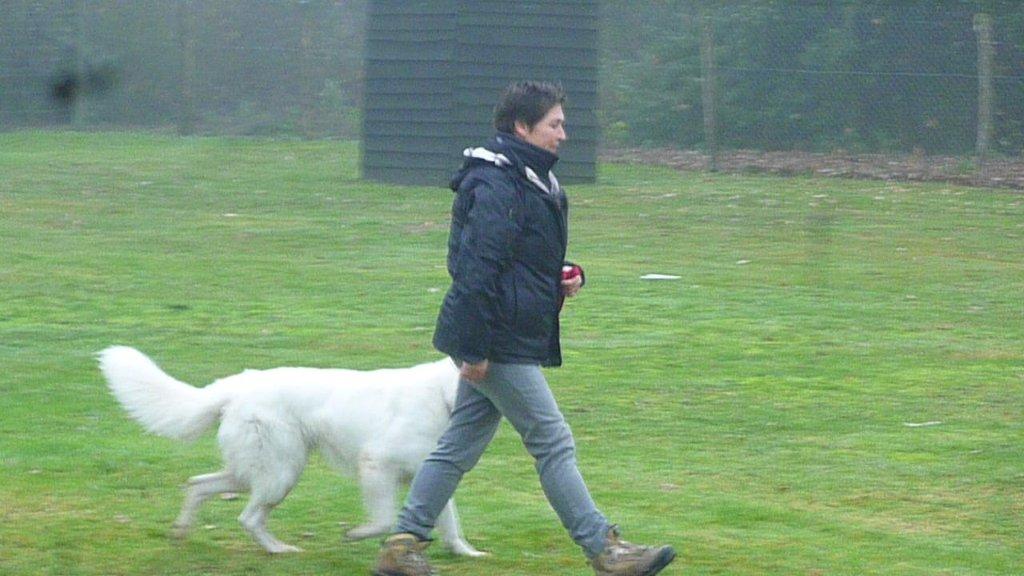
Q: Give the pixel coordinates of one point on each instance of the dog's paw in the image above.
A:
(366, 531)
(284, 549)
(180, 531)
(464, 549)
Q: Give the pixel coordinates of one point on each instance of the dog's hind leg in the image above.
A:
(254, 520)
(379, 482)
(199, 490)
(269, 454)
(451, 533)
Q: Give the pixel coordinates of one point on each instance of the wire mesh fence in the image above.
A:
(812, 76)
(239, 67)
(861, 77)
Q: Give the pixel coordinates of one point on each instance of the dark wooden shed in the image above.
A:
(435, 69)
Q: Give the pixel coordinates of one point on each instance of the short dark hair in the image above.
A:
(527, 102)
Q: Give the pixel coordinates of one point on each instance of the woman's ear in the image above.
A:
(521, 129)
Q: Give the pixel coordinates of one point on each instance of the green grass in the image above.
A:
(754, 413)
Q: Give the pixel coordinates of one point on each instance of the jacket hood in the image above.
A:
(503, 150)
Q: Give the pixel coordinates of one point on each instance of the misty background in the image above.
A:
(859, 77)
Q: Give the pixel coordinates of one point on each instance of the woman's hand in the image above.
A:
(571, 287)
(474, 372)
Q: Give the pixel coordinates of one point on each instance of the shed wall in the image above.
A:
(435, 69)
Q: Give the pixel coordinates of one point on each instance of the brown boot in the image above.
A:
(402, 555)
(620, 558)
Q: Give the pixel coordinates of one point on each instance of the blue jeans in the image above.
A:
(521, 394)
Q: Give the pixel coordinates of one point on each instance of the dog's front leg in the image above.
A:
(378, 481)
(451, 532)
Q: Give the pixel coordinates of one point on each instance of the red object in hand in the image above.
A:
(568, 273)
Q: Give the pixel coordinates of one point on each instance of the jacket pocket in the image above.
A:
(510, 303)
(530, 312)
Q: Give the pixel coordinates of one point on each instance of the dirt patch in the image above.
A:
(998, 173)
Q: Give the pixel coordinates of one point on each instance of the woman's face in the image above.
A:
(546, 134)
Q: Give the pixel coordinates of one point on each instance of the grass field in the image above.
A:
(835, 386)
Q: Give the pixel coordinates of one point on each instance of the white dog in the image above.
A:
(379, 425)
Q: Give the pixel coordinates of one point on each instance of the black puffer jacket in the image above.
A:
(506, 250)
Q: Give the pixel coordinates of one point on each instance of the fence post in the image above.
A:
(708, 88)
(187, 36)
(307, 96)
(78, 106)
(983, 28)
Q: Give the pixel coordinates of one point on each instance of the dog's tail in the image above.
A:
(163, 405)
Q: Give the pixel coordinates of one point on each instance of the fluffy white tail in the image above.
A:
(163, 405)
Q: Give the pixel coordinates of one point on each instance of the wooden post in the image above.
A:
(66, 83)
(307, 95)
(187, 117)
(986, 54)
(78, 107)
(708, 88)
